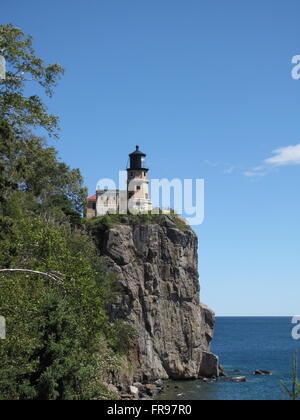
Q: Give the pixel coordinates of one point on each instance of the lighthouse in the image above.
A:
(136, 199)
(138, 183)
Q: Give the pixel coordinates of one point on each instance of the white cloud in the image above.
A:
(258, 171)
(229, 170)
(253, 174)
(226, 168)
(285, 156)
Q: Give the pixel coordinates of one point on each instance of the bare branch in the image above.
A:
(51, 276)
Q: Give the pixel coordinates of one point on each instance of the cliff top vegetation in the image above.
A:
(103, 223)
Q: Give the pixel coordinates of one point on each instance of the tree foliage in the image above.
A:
(60, 344)
(59, 340)
(28, 165)
(25, 70)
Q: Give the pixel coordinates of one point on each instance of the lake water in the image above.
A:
(245, 344)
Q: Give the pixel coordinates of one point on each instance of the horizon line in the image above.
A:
(255, 316)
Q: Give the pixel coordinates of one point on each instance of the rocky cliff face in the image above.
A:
(156, 263)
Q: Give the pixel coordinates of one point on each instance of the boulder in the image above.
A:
(134, 391)
(112, 388)
(139, 386)
(209, 367)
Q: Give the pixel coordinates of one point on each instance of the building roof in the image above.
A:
(92, 198)
(137, 152)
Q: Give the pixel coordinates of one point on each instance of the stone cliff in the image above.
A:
(156, 262)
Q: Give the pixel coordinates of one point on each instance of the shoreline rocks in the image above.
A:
(139, 391)
(149, 391)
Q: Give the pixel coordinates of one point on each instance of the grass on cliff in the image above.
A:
(103, 223)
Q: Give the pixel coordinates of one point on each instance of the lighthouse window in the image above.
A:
(138, 187)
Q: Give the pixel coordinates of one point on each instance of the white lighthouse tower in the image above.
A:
(138, 182)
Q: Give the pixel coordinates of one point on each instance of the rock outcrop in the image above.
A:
(157, 265)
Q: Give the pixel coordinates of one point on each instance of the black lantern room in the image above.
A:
(138, 160)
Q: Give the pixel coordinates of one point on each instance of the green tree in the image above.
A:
(28, 165)
(60, 343)
(7, 183)
(24, 69)
(53, 290)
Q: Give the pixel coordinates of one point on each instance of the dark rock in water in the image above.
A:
(144, 397)
(239, 379)
(236, 379)
(263, 373)
(222, 372)
(236, 371)
(156, 263)
(209, 366)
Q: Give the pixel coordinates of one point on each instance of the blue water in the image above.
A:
(245, 344)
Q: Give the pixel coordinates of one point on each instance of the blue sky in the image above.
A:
(205, 88)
